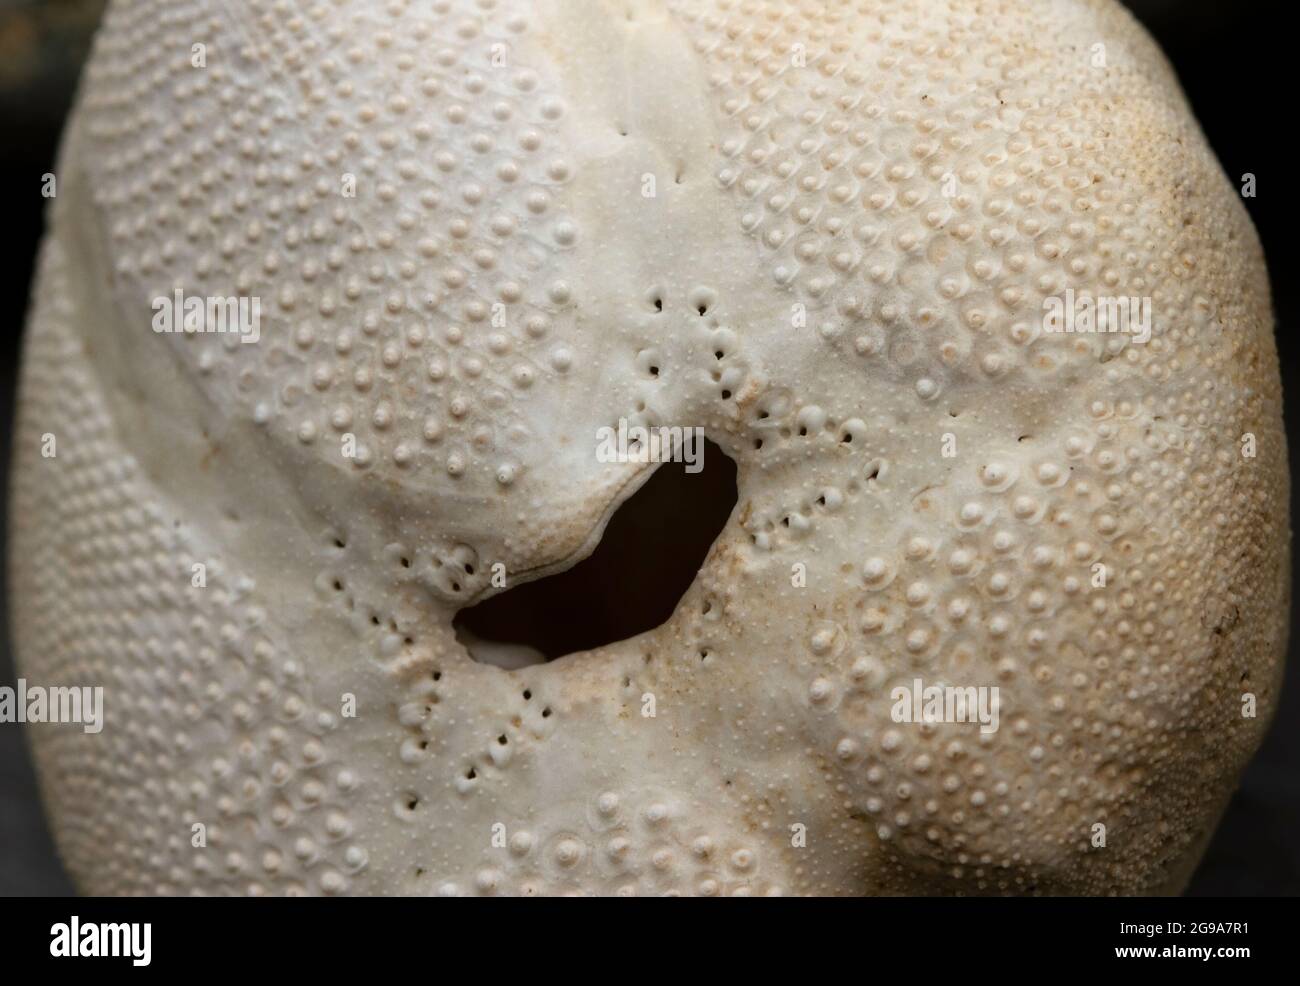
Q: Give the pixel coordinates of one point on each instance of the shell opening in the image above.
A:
(651, 551)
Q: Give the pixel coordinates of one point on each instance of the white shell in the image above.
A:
(864, 208)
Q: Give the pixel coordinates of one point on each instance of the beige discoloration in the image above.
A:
(853, 315)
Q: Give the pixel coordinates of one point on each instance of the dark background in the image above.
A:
(1233, 57)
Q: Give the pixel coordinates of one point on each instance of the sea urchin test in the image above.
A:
(309, 570)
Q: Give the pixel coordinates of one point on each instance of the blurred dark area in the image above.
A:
(1230, 57)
